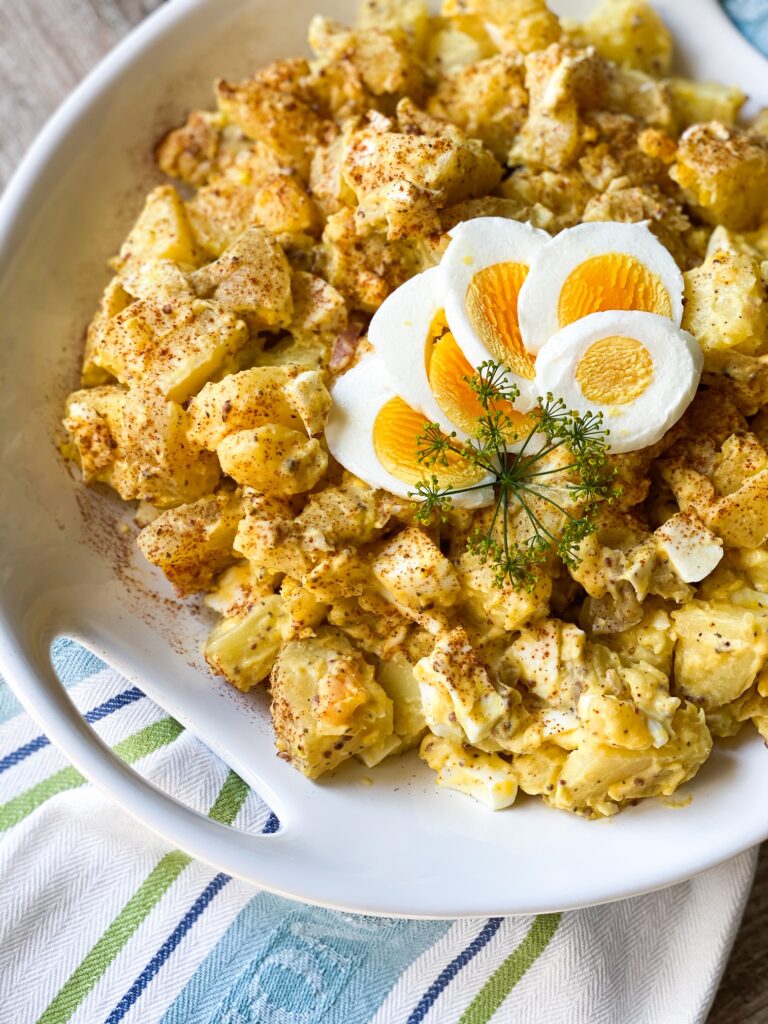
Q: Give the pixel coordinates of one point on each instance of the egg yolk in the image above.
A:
(447, 371)
(615, 371)
(611, 281)
(396, 430)
(492, 306)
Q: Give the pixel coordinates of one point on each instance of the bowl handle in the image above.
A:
(29, 671)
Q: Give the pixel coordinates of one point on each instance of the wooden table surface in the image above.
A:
(46, 47)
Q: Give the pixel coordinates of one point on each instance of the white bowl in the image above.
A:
(399, 846)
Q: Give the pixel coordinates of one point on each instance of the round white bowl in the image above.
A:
(399, 846)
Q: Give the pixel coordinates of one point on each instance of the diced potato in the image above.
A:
(400, 684)
(256, 397)
(326, 703)
(597, 779)
(487, 100)
(450, 49)
(162, 232)
(409, 16)
(724, 174)
(725, 305)
(273, 459)
(246, 196)
(506, 607)
(271, 537)
(190, 152)
(305, 610)
(193, 543)
(415, 572)
(629, 32)
(238, 588)
(352, 513)
(452, 165)
(615, 722)
(720, 650)
(338, 576)
(113, 301)
(253, 278)
(174, 348)
(741, 457)
(383, 59)
(378, 627)
(243, 649)
(275, 115)
(551, 137)
(137, 442)
(650, 640)
(514, 25)
(457, 694)
(696, 102)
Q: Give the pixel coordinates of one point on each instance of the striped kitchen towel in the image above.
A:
(101, 922)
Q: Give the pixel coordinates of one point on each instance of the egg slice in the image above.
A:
(373, 433)
(429, 371)
(483, 270)
(638, 369)
(403, 332)
(593, 268)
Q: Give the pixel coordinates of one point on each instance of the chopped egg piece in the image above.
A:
(483, 269)
(638, 369)
(691, 548)
(596, 267)
(486, 777)
(374, 434)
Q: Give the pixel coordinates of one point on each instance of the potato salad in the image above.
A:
(439, 366)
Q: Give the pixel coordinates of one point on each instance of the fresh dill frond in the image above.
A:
(526, 481)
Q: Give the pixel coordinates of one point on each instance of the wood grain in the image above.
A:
(46, 46)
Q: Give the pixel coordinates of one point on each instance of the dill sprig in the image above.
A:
(571, 484)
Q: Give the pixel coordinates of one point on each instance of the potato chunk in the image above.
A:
(174, 347)
(326, 703)
(720, 649)
(193, 543)
(724, 174)
(270, 109)
(415, 572)
(243, 649)
(597, 779)
(284, 395)
(273, 459)
(246, 195)
(487, 100)
(631, 33)
(251, 278)
(162, 232)
(725, 304)
(137, 442)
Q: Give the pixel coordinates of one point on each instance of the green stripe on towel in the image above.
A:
(225, 808)
(131, 749)
(506, 976)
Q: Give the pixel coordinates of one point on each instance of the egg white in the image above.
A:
(357, 398)
(677, 364)
(560, 256)
(398, 332)
(475, 245)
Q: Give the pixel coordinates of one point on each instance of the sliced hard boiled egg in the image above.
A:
(483, 270)
(403, 331)
(596, 267)
(638, 369)
(429, 371)
(374, 434)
